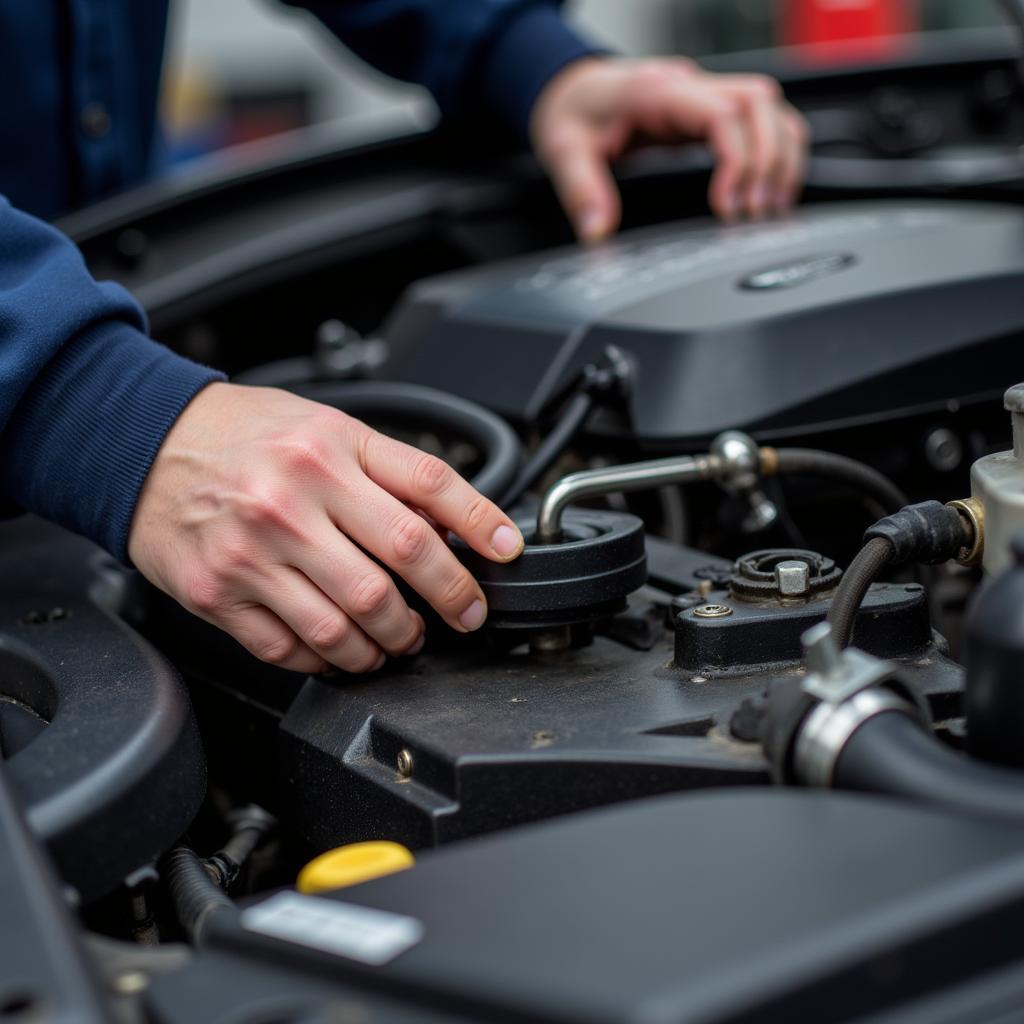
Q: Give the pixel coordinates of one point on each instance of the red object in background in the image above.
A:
(847, 27)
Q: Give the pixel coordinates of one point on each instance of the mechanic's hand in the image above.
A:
(598, 107)
(254, 513)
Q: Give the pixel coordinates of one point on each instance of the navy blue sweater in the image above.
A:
(86, 398)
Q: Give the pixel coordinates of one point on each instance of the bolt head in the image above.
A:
(793, 578)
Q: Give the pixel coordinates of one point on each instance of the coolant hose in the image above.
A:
(891, 753)
(194, 894)
(812, 462)
(427, 407)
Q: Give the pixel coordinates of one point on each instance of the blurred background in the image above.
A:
(240, 70)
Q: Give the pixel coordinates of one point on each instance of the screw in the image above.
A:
(793, 578)
(405, 764)
(712, 611)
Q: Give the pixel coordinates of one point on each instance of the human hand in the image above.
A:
(255, 510)
(598, 107)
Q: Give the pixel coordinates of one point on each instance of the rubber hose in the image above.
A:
(194, 894)
(812, 462)
(893, 754)
(430, 408)
(863, 571)
(550, 448)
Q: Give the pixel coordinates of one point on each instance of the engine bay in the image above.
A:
(739, 741)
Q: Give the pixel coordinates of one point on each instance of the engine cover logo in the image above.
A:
(789, 275)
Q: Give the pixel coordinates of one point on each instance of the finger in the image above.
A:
(407, 543)
(319, 623)
(429, 484)
(263, 634)
(702, 112)
(361, 588)
(793, 172)
(584, 184)
(761, 113)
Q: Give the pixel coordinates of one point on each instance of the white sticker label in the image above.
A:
(370, 936)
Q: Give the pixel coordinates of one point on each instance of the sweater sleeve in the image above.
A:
(86, 398)
(477, 57)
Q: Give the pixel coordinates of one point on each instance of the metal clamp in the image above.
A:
(829, 727)
(851, 687)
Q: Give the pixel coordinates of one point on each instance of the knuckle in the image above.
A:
(306, 454)
(366, 663)
(205, 594)
(329, 632)
(457, 590)
(236, 557)
(799, 129)
(477, 514)
(371, 595)
(410, 540)
(431, 476)
(267, 509)
(275, 649)
(764, 87)
(557, 143)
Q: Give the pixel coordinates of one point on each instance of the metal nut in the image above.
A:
(973, 511)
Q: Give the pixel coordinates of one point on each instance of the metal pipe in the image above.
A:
(639, 476)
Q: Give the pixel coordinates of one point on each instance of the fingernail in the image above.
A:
(506, 541)
(591, 225)
(416, 647)
(379, 663)
(473, 617)
(782, 201)
(731, 206)
(758, 199)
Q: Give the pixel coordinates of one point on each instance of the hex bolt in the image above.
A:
(793, 578)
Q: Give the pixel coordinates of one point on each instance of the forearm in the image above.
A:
(85, 397)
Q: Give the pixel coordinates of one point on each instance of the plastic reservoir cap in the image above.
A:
(352, 864)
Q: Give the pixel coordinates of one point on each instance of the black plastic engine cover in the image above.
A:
(100, 745)
(719, 908)
(838, 314)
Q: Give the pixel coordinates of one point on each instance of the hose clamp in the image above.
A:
(829, 727)
(851, 687)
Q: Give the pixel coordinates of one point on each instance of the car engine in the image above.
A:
(740, 739)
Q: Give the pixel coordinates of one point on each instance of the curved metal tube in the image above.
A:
(638, 476)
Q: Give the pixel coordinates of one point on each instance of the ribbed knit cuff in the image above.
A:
(85, 435)
(528, 52)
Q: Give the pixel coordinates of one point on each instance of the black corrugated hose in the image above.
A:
(862, 572)
(927, 533)
(194, 893)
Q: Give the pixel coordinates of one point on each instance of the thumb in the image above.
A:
(585, 186)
